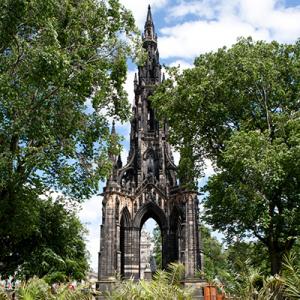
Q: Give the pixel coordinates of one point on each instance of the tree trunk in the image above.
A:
(276, 261)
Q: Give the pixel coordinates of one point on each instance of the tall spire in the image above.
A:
(113, 128)
(149, 15)
(149, 30)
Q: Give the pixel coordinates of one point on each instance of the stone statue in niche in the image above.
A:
(128, 185)
(150, 165)
(152, 195)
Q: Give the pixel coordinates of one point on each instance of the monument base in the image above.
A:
(105, 286)
(197, 285)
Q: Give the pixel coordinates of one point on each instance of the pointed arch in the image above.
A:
(150, 151)
(125, 219)
(175, 221)
(150, 210)
(176, 216)
(125, 225)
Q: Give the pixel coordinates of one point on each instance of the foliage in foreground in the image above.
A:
(241, 270)
(247, 285)
(165, 285)
(250, 283)
(38, 289)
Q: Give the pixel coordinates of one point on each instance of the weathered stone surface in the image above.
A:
(147, 187)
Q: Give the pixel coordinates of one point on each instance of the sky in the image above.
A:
(185, 30)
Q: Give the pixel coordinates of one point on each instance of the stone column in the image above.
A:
(108, 250)
(192, 251)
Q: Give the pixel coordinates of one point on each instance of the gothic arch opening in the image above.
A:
(125, 224)
(150, 249)
(175, 234)
(148, 211)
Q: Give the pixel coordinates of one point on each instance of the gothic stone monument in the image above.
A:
(147, 187)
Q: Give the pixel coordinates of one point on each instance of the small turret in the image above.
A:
(113, 128)
(119, 162)
(135, 81)
(113, 137)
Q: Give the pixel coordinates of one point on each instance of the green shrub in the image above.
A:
(165, 286)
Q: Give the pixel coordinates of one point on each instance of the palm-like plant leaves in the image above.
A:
(165, 285)
(292, 277)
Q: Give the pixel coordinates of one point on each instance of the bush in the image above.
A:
(165, 285)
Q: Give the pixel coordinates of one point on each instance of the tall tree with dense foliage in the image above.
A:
(239, 107)
(214, 257)
(57, 247)
(62, 66)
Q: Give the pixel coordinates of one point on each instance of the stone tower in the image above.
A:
(147, 187)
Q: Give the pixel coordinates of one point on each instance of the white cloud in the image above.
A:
(91, 215)
(221, 22)
(139, 8)
(181, 63)
(176, 156)
(189, 39)
(282, 23)
(124, 156)
(129, 86)
(93, 244)
(91, 210)
(208, 169)
(205, 8)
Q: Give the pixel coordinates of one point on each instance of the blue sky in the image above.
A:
(186, 29)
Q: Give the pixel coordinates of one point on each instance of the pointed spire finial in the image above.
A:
(149, 31)
(119, 162)
(149, 15)
(113, 129)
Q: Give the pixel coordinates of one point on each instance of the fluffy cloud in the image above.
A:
(129, 85)
(189, 39)
(205, 9)
(218, 23)
(90, 211)
(93, 244)
(91, 215)
(181, 63)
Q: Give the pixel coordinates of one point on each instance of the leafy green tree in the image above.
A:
(214, 257)
(62, 66)
(244, 254)
(239, 107)
(56, 247)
